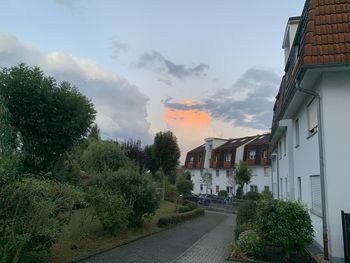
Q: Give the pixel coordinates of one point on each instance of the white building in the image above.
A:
(310, 130)
(212, 164)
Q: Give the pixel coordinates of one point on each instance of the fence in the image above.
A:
(346, 235)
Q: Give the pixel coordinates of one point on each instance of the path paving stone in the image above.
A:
(174, 243)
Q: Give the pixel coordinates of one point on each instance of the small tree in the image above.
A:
(183, 185)
(206, 180)
(243, 174)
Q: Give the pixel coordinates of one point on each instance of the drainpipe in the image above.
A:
(322, 167)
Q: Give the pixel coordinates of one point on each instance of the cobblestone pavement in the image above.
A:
(212, 247)
(178, 244)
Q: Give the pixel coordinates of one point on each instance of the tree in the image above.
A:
(166, 154)
(7, 136)
(135, 152)
(183, 185)
(94, 133)
(243, 174)
(207, 180)
(48, 118)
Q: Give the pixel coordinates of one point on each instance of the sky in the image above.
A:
(200, 68)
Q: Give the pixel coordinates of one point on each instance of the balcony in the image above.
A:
(227, 165)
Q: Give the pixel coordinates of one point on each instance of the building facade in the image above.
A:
(309, 138)
(212, 164)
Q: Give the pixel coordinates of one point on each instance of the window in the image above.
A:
(267, 188)
(299, 189)
(266, 171)
(191, 159)
(217, 188)
(297, 136)
(216, 158)
(200, 159)
(254, 188)
(228, 173)
(210, 147)
(316, 198)
(312, 117)
(201, 187)
(251, 155)
(227, 157)
(253, 171)
(264, 154)
(286, 187)
(281, 186)
(229, 189)
(217, 173)
(284, 145)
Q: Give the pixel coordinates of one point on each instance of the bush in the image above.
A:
(183, 185)
(266, 194)
(170, 193)
(222, 193)
(252, 196)
(184, 209)
(250, 243)
(187, 206)
(102, 156)
(235, 251)
(284, 224)
(110, 208)
(71, 172)
(246, 213)
(32, 215)
(139, 192)
(177, 218)
(243, 227)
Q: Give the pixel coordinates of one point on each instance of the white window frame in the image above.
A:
(312, 109)
(250, 155)
(253, 188)
(264, 154)
(227, 157)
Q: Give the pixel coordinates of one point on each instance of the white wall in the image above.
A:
(335, 91)
(259, 179)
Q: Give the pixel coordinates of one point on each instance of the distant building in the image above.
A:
(310, 129)
(212, 164)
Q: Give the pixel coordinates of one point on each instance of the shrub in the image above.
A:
(110, 208)
(170, 193)
(252, 196)
(184, 209)
(222, 193)
(235, 251)
(246, 213)
(177, 218)
(187, 206)
(183, 185)
(266, 194)
(284, 224)
(100, 156)
(139, 192)
(32, 215)
(243, 227)
(71, 172)
(250, 243)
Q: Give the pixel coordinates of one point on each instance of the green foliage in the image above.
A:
(101, 156)
(187, 206)
(183, 185)
(252, 196)
(111, 209)
(243, 227)
(266, 194)
(94, 133)
(251, 243)
(184, 209)
(246, 212)
(139, 192)
(71, 172)
(178, 218)
(284, 224)
(135, 152)
(222, 193)
(32, 215)
(49, 118)
(242, 174)
(7, 135)
(171, 193)
(166, 152)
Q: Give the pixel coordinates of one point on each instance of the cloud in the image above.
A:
(121, 106)
(117, 47)
(157, 62)
(248, 103)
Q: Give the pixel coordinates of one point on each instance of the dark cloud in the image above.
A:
(121, 107)
(117, 47)
(158, 62)
(248, 103)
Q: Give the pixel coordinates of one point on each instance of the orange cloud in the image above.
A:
(187, 118)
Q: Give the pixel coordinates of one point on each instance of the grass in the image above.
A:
(84, 235)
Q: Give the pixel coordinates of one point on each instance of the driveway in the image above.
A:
(203, 239)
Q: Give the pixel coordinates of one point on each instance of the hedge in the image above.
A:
(178, 218)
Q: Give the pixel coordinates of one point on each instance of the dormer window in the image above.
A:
(227, 157)
(251, 155)
(264, 154)
(191, 159)
(200, 159)
(216, 158)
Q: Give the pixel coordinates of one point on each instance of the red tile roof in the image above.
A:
(327, 32)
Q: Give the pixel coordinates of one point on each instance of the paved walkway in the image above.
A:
(203, 239)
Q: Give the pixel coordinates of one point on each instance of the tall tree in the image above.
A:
(135, 152)
(48, 118)
(94, 133)
(166, 154)
(243, 174)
